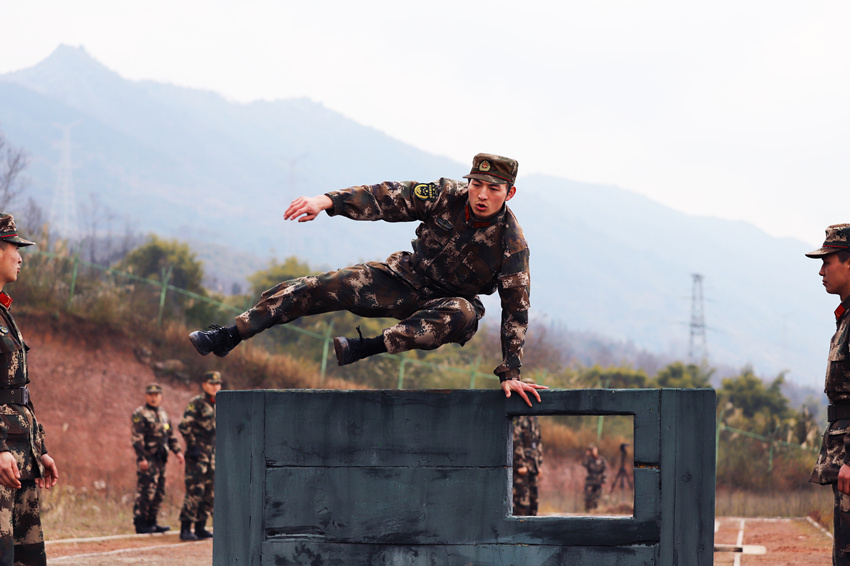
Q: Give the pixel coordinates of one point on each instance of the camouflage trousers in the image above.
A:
(150, 490)
(592, 494)
(841, 528)
(428, 319)
(21, 538)
(525, 494)
(200, 480)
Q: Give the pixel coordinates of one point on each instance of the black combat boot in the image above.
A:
(158, 528)
(186, 531)
(142, 526)
(218, 340)
(201, 530)
(349, 350)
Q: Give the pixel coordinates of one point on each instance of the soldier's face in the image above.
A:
(211, 388)
(153, 399)
(836, 275)
(10, 263)
(486, 199)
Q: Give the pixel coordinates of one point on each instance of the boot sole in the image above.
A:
(340, 346)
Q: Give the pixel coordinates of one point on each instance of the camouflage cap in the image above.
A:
(9, 233)
(837, 239)
(211, 377)
(493, 169)
(153, 388)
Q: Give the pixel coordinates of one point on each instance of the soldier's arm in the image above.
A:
(137, 436)
(390, 201)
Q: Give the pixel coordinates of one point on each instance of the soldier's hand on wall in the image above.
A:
(10, 476)
(520, 387)
(51, 473)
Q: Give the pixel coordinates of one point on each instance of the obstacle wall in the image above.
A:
(423, 478)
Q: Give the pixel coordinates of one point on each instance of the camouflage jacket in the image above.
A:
(152, 434)
(453, 255)
(20, 432)
(836, 439)
(528, 448)
(198, 429)
(595, 469)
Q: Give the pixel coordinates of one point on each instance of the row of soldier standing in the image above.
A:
(153, 438)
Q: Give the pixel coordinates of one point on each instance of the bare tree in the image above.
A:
(12, 162)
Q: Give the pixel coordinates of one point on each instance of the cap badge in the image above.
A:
(484, 166)
(3, 330)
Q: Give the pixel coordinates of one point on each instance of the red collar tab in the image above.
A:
(477, 224)
(839, 312)
(5, 300)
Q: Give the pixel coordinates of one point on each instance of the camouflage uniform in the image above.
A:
(152, 436)
(836, 437)
(528, 453)
(596, 467)
(198, 430)
(433, 290)
(21, 538)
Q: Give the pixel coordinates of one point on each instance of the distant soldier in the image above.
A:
(833, 464)
(198, 430)
(24, 463)
(595, 466)
(528, 464)
(153, 436)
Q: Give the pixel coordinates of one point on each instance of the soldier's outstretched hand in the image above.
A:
(10, 476)
(521, 387)
(51, 473)
(304, 209)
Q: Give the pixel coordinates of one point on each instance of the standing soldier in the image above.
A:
(198, 430)
(833, 464)
(528, 464)
(152, 436)
(596, 466)
(24, 463)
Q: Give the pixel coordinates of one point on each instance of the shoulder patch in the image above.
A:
(426, 191)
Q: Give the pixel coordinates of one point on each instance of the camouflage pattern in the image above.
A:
(834, 451)
(433, 290)
(198, 429)
(528, 453)
(21, 539)
(9, 232)
(593, 482)
(152, 436)
(493, 169)
(837, 238)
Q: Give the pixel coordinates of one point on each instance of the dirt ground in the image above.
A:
(786, 542)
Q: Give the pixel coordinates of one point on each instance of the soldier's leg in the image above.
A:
(206, 505)
(437, 322)
(145, 490)
(158, 484)
(841, 528)
(532, 494)
(29, 539)
(7, 538)
(364, 289)
(194, 492)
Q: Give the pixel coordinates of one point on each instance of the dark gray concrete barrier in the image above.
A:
(423, 478)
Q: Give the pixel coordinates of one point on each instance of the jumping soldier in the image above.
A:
(24, 463)
(527, 463)
(833, 464)
(595, 466)
(469, 242)
(152, 436)
(198, 429)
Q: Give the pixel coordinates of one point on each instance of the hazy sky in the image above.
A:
(728, 108)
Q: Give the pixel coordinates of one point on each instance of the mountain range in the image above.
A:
(191, 165)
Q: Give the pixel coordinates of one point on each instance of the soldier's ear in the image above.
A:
(511, 193)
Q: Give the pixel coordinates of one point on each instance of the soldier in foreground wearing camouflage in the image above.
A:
(595, 466)
(469, 242)
(24, 463)
(528, 464)
(198, 429)
(833, 464)
(152, 436)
